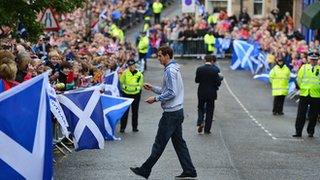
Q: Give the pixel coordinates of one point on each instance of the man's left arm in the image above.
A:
(169, 92)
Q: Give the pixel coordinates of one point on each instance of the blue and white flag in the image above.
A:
(57, 111)
(241, 56)
(111, 84)
(25, 131)
(85, 117)
(113, 110)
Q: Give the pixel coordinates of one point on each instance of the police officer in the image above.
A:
(131, 81)
(157, 9)
(279, 77)
(209, 41)
(143, 47)
(308, 80)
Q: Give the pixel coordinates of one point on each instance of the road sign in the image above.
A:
(49, 21)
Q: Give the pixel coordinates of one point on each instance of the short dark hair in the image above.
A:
(210, 58)
(166, 50)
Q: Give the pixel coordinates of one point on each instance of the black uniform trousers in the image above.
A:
(205, 107)
(157, 18)
(278, 104)
(314, 110)
(143, 56)
(134, 110)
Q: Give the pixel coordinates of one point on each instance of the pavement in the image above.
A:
(247, 141)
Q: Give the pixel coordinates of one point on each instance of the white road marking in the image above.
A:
(245, 110)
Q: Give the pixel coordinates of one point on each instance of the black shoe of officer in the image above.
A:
(139, 172)
(135, 130)
(121, 130)
(310, 135)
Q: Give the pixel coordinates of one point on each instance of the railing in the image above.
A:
(195, 47)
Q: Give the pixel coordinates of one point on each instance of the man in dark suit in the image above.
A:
(209, 81)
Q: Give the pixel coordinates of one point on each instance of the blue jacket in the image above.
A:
(171, 93)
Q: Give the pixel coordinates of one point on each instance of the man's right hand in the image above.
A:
(147, 86)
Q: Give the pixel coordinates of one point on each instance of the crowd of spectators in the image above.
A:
(78, 55)
(274, 34)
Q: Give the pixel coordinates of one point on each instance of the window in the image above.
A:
(219, 5)
(257, 7)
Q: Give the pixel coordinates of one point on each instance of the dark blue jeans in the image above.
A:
(170, 126)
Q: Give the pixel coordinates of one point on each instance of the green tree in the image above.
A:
(25, 11)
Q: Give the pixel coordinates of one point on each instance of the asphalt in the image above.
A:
(247, 142)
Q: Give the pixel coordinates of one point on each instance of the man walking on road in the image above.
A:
(308, 80)
(209, 81)
(170, 125)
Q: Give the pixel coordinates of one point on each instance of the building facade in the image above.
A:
(262, 8)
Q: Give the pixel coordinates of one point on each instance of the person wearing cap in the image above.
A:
(143, 47)
(279, 77)
(308, 80)
(131, 81)
(146, 24)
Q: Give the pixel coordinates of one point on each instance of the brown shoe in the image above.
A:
(200, 128)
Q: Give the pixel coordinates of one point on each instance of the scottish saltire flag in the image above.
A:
(85, 117)
(113, 110)
(248, 56)
(25, 131)
(262, 63)
(57, 111)
(241, 56)
(111, 84)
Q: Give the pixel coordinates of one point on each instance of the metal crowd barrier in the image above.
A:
(59, 139)
(189, 48)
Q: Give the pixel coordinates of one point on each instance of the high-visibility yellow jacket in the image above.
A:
(131, 83)
(212, 19)
(146, 26)
(112, 29)
(157, 7)
(309, 80)
(210, 40)
(143, 44)
(279, 78)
